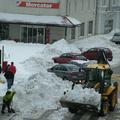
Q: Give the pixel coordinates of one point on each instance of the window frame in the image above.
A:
(90, 27)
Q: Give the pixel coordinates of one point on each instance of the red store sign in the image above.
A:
(38, 4)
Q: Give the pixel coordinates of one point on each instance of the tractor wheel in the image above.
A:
(112, 101)
(72, 110)
(104, 108)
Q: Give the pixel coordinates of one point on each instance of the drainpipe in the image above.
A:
(96, 15)
(66, 14)
(66, 7)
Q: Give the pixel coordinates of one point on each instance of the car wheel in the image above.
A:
(55, 61)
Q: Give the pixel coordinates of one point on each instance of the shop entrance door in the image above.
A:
(40, 35)
(32, 34)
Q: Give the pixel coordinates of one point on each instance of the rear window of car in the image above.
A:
(66, 55)
(107, 50)
(73, 68)
(81, 57)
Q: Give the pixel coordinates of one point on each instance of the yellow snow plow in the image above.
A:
(98, 77)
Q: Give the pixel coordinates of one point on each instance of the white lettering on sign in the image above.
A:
(38, 4)
(28, 4)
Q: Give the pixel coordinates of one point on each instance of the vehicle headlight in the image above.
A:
(105, 83)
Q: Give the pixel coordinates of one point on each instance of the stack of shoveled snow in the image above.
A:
(84, 96)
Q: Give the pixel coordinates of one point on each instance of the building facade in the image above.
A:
(107, 15)
(46, 21)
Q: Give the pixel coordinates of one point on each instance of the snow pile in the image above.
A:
(42, 90)
(85, 96)
(58, 48)
(63, 46)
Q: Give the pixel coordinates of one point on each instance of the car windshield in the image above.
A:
(73, 68)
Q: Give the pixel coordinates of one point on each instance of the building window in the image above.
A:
(82, 4)
(90, 27)
(104, 2)
(114, 2)
(94, 2)
(108, 26)
(73, 33)
(79, 31)
(88, 4)
(32, 34)
(4, 31)
(82, 29)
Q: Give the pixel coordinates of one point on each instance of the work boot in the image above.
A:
(12, 110)
(9, 111)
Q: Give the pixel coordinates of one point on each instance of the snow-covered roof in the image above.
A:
(33, 19)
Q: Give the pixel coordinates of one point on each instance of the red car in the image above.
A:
(92, 53)
(66, 57)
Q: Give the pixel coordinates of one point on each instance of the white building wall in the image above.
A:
(107, 10)
(82, 10)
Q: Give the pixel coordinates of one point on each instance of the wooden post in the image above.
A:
(2, 56)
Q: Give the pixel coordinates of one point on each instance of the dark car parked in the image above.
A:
(93, 53)
(68, 72)
(66, 57)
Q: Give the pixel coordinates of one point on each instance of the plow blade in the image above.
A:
(75, 106)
